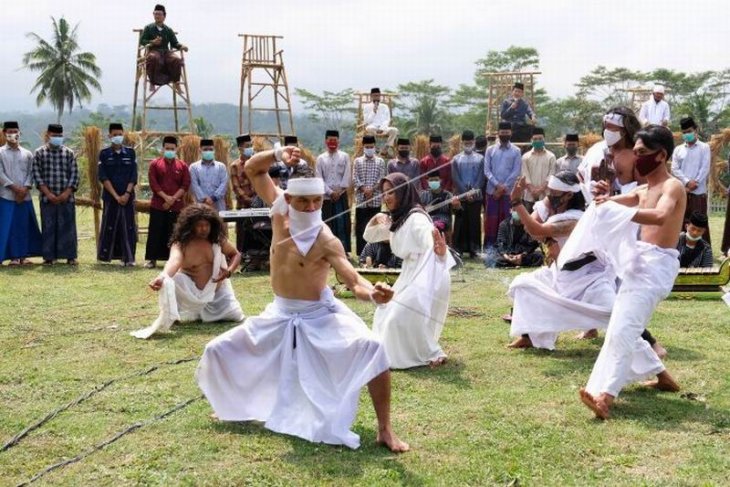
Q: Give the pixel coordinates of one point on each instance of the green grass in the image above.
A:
(490, 417)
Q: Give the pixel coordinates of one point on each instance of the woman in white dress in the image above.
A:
(410, 325)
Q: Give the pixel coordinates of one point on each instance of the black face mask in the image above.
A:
(403, 154)
(436, 152)
(504, 139)
(571, 151)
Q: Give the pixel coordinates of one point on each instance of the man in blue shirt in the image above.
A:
(209, 178)
(502, 167)
(518, 112)
(467, 173)
(118, 174)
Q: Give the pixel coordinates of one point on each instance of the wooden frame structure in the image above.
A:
(500, 88)
(260, 55)
(639, 95)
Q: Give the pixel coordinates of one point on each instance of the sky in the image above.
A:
(337, 44)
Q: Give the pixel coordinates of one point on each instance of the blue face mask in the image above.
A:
(208, 155)
(169, 154)
(117, 139)
(515, 216)
(369, 151)
(689, 138)
(434, 185)
(248, 152)
(56, 140)
(538, 144)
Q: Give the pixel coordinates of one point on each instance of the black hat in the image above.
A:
(291, 140)
(115, 126)
(480, 142)
(242, 139)
(687, 123)
(435, 138)
(698, 219)
(571, 138)
(169, 139)
(206, 143)
(160, 8)
(10, 125)
(538, 131)
(374, 90)
(368, 139)
(275, 171)
(55, 128)
(332, 133)
(403, 141)
(467, 135)
(519, 86)
(505, 126)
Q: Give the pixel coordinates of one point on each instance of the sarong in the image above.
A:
(298, 367)
(19, 233)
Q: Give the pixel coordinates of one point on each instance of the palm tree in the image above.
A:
(66, 74)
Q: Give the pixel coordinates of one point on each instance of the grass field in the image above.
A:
(490, 417)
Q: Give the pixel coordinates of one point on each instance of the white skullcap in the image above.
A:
(305, 187)
(558, 185)
(658, 89)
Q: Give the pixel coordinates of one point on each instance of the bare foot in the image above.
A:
(660, 351)
(437, 363)
(521, 342)
(599, 405)
(388, 439)
(587, 335)
(664, 382)
(507, 317)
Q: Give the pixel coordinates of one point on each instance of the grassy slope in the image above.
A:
(491, 416)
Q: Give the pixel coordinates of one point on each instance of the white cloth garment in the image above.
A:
(647, 275)
(298, 367)
(180, 300)
(410, 325)
(692, 162)
(592, 159)
(653, 113)
(378, 119)
(548, 301)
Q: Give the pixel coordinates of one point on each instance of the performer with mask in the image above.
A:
(410, 326)
(299, 366)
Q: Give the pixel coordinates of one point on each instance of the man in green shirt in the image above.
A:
(163, 65)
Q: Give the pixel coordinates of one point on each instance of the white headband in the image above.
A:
(614, 118)
(558, 185)
(658, 89)
(305, 186)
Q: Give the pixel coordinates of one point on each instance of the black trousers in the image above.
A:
(468, 227)
(362, 217)
(158, 235)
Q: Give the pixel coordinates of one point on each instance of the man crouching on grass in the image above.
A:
(194, 284)
(299, 366)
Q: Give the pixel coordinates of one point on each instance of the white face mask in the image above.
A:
(611, 137)
(304, 227)
(117, 139)
(12, 137)
(369, 151)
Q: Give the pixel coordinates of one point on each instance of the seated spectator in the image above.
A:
(515, 247)
(377, 120)
(378, 255)
(436, 196)
(694, 251)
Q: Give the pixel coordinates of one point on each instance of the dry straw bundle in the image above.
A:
(222, 148)
(2, 138)
(421, 147)
(717, 142)
(189, 152)
(454, 145)
(92, 147)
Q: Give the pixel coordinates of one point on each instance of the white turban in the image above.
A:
(558, 185)
(658, 89)
(305, 187)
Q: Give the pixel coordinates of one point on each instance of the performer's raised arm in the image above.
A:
(257, 170)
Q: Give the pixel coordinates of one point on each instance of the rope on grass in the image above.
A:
(17, 438)
(109, 441)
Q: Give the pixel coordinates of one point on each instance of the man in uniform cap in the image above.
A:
(376, 116)
(209, 178)
(163, 65)
(333, 166)
(571, 160)
(369, 170)
(519, 113)
(538, 164)
(467, 174)
(404, 163)
(502, 167)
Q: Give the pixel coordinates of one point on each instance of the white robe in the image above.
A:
(180, 299)
(298, 367)
(548, 301)
(410, 325)
(647, 275)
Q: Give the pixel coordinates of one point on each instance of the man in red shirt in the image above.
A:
(436, 161)
(169, 179)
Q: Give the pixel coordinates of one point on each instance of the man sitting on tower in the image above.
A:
(377, 119)
(163, 65)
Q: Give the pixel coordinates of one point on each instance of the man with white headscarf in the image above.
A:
(655, 110)
(576, 295)
(299, 366)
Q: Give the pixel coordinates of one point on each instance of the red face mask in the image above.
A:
(332, 144)
(647, 163)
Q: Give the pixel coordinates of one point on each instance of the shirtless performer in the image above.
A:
(194, 284)
(647, 266)
(299, 366)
